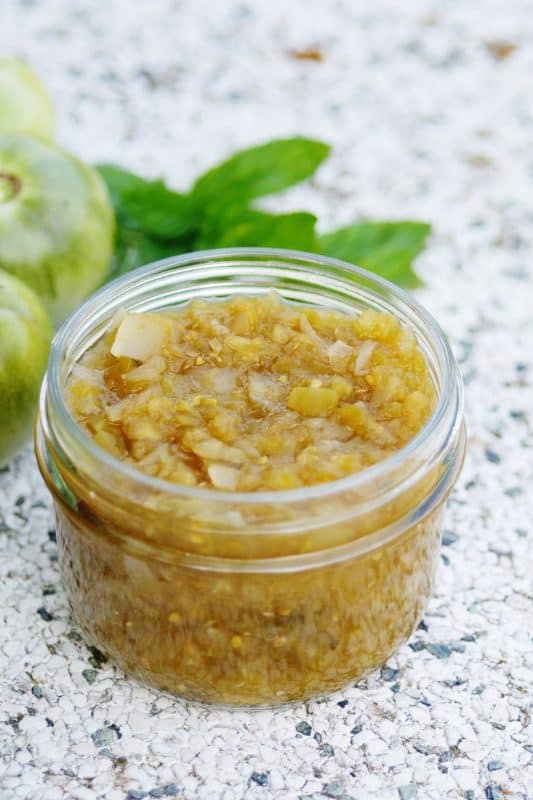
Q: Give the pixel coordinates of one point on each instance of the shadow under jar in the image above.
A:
(260, 598)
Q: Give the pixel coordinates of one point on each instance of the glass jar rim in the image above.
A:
(443, 424)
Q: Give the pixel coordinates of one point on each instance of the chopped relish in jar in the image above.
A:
(252, 393)
(195, 581)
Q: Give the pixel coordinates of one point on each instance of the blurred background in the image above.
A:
(420, 100)
(426, 104)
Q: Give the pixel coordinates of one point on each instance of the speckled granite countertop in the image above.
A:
(428, 106)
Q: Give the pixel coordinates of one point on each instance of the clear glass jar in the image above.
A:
(253, 599)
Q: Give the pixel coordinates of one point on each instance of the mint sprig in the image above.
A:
(154, 221)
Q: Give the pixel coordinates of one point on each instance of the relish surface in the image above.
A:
(252, 393)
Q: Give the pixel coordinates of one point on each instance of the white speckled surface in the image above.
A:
(426, 122)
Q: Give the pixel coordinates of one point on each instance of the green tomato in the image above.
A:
(56, 223)
(25, 335)
(25, 105)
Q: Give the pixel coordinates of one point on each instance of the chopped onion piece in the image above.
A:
(140, 336)
(363, 356)
(222, 476)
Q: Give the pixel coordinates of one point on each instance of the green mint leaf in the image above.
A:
(257, 172)
(135, 249)
(386, 248)
(148, 206)
(261, 229)
(119, 181)
(158, 211)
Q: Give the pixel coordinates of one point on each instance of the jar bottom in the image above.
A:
(246, 640)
